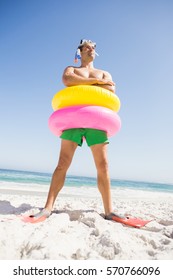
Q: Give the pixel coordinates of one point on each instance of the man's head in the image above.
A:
(85, 42)
(85, 49)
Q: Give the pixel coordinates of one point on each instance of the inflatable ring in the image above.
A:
(85, 95)
(84, 117)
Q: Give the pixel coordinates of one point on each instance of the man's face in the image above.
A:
(88, 50)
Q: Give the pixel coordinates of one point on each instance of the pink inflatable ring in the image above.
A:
(84, 117)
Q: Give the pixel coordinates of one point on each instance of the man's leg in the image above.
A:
(66, 155)
(99, 152)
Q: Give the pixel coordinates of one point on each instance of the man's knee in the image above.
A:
(102, 166)
(64, 163)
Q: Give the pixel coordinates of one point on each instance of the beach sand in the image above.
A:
(77, 231)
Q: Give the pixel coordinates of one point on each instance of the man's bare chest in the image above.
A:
(89, 73)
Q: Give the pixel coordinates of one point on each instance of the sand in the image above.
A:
(76, 229)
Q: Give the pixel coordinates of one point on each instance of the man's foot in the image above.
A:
(43, 213)
(37, 218)
(113, 217)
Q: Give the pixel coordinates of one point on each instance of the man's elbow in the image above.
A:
(66, 81)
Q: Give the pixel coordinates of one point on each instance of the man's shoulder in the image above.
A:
(72, 67)
(107, 75)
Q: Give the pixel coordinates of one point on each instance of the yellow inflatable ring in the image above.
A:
(85, 95)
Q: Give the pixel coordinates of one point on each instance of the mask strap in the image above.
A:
(77, 55)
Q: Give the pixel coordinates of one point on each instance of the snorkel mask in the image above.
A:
(83, 42)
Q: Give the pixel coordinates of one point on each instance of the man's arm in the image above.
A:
(71, 79)
(109, 84)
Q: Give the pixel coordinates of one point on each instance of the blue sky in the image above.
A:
(134, 41)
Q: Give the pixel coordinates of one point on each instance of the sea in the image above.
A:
(31, 180)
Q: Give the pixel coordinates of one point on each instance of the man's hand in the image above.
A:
(105, 82)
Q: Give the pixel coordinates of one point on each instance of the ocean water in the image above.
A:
(31, 179)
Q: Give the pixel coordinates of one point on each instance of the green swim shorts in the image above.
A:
(92, 136)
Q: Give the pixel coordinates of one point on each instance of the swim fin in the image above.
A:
(37, 218)
(33, 220)
(129, 221)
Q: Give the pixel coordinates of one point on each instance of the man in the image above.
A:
(85, 74)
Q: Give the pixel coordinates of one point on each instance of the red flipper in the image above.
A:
(33, 220)
(37, 218)
(129, 221)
